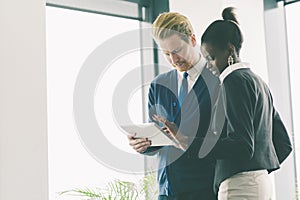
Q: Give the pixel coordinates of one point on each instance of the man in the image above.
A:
(182, 96)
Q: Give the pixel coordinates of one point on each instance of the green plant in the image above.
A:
(119, 190)
(149, 186)
(83, 192)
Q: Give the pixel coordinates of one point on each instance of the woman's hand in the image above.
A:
(172, 130)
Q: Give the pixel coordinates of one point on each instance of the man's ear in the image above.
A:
(193, 40)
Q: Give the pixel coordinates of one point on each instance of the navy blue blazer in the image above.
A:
(183, 171)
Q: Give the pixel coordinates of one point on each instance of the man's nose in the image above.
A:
(174, 58)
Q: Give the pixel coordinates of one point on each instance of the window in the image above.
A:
(72, 37)
(293, 33)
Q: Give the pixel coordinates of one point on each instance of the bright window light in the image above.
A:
(293, 33)
(71, 37)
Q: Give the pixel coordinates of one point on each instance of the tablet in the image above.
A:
(151, 131)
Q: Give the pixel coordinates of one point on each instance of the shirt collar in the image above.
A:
(228, 70)
(196, 69)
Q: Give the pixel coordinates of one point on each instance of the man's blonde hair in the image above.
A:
(170, 23)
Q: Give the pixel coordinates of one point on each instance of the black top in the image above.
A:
(253, 136)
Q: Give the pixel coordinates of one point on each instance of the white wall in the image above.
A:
(23, 128)
(203, 12)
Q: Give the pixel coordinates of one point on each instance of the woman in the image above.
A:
(253, 140)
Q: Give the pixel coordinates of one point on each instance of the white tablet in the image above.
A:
(151, 131)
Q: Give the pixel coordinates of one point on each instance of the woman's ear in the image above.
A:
(231, 49)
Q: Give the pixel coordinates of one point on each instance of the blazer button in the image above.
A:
(174, 104)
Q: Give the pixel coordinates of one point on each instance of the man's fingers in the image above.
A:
(131, 136)
(138, 144)
(143, 145)
(136, 141)
(141, 150)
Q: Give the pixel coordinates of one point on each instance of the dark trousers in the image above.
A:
(190, 196)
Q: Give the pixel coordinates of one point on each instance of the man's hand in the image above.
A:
(138, 144)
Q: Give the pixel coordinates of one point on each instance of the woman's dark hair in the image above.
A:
(222, 32)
